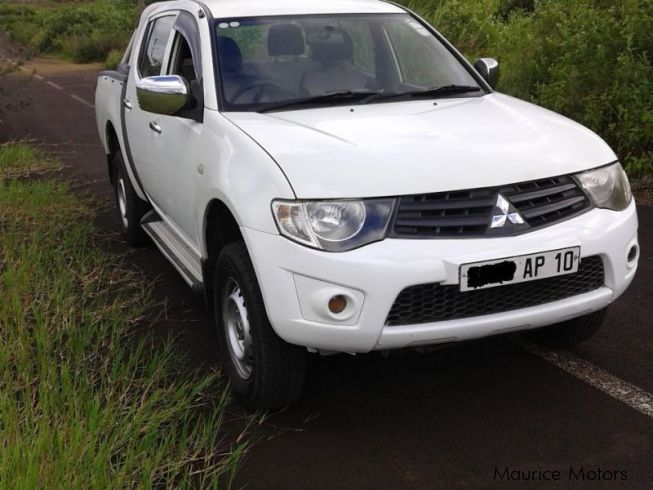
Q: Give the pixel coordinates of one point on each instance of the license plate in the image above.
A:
(511, 270)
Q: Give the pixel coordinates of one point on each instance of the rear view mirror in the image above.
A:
(488, 68)
(165, 95)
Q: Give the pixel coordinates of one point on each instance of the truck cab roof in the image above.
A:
(261, 8)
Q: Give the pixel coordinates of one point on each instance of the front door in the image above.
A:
(147, 62)
(176, 144)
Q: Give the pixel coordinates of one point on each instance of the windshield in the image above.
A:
(329, 59)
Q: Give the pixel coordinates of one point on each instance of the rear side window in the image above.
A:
(155, 48)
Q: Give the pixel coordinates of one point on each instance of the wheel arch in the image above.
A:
(220, 228)
(112, 146)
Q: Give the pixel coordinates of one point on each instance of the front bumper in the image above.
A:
(296, 282)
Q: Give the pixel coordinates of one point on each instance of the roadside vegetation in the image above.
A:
(11, 88)
(85, 400)
(591, 60)
(80, 31)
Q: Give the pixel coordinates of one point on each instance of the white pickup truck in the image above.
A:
(336, 177)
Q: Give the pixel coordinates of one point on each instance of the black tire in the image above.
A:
(277, 369)
(129, 206)
(571, 332)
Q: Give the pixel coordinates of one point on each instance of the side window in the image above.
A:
(182, 60)
(155, 49)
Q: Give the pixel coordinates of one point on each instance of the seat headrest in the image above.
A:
(331, 45)
(285, 39)
(231, 58)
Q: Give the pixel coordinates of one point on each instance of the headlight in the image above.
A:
(335, 226)
(608, 187)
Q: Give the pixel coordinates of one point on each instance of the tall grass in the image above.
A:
(20, 159)
(84, 401)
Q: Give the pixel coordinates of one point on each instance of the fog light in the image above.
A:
(632, 253)
(337, 304)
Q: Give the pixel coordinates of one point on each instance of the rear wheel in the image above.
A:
(265, 371)
(571, 332)
(130, 207)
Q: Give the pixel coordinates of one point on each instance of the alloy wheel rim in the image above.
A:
(237, 330)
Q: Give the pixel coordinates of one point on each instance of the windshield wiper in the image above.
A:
(367, 96)
(429, 92)
(342, 96)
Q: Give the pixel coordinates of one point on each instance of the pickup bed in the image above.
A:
(335, 177)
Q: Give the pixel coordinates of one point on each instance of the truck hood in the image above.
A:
(420, 146)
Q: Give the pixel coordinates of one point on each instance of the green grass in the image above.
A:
(85, 402)
(19, 159)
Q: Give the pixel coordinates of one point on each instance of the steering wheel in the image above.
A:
(262, 86)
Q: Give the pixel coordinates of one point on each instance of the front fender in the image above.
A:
(237, 171)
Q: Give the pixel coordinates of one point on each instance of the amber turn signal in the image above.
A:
(337, 304)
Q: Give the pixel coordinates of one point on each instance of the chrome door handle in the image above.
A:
(154, 126)
(126, 103)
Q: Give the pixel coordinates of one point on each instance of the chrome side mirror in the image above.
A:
(165, 95)
(488, 68)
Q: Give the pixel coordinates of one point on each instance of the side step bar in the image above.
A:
(180, 256)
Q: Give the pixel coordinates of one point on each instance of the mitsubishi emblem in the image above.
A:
(504, 212)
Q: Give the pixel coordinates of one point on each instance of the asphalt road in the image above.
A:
(439, 420)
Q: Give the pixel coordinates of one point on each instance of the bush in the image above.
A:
(94, 47)
(113, 59)
(590, 60)
(467, 24)
(83, 33)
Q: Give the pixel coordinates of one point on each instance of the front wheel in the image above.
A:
(265, 371)
(571, 332)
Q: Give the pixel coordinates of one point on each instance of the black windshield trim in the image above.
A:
(345, 98)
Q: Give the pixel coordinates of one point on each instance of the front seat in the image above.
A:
(286, 45)
(334, 51)
(231, 58)
(285, 40)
